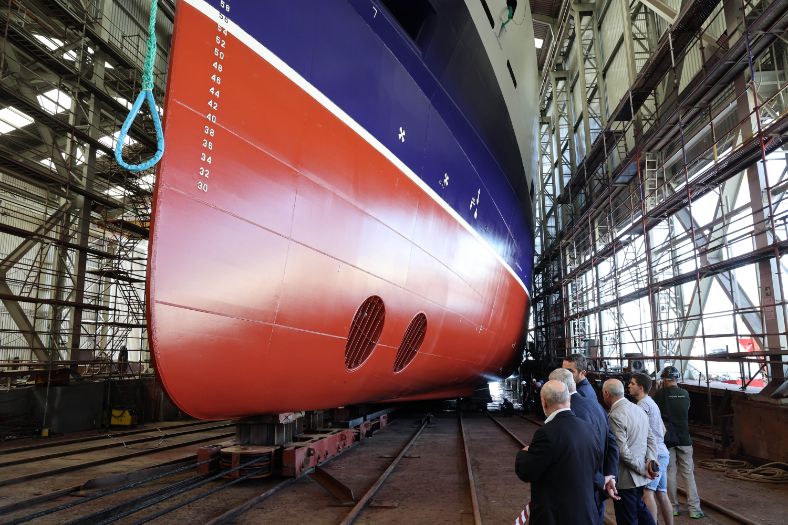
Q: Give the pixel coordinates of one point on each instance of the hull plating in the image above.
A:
(276, 215)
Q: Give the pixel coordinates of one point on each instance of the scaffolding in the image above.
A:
(73, 225)
(673, 219)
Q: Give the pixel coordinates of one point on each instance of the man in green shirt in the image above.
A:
(673, 403)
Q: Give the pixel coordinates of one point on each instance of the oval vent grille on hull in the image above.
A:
(411, 343)
(364, 332)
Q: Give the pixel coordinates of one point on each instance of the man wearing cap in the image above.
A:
(674, 402)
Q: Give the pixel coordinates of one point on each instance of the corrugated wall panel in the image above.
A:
(577, 101)
(715, 25)
(612, 28)
(690, 66)
(577, 111)
(127, 26)
(674, 4)
(661, 25)
(571, 62)
(616, 82)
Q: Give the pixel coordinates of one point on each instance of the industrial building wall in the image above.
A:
(662, 234)
(73, 226)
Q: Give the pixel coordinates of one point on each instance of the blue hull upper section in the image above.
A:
(454, 133)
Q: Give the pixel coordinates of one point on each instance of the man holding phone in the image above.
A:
(637, 454)
(655, 493)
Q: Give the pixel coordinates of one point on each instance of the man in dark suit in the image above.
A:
(578, 365)
(592, 412)
(560, 463)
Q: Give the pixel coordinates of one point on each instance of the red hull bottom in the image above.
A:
(254, 283)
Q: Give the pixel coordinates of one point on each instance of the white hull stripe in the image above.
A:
(327, 103)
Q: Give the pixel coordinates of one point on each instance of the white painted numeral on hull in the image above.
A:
(217, 60)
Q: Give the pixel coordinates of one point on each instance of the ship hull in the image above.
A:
(276, 215)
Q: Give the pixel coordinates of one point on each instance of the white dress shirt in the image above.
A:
(551, 416)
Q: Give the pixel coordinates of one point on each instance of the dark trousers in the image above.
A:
(600, 505)
(630, 509)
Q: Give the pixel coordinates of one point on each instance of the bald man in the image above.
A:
(637, 451)
(560, 463)
(590, 411)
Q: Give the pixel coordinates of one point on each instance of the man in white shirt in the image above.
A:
(655, 494)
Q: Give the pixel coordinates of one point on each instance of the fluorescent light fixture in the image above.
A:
(125, 102)
(11, 119)
(54, 101)
(55, 43)
(50, 43)
(538, 42)
(117, 192)
(110, 140)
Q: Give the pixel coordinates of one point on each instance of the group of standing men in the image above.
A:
(583, 455)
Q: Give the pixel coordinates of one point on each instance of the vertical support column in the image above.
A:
(588, 70)
(652, 299)
(643, 43)
(628, 47)
(546, 197)
(85, 206)
(58, 339)
(562, 123)
(757, 184)
(560, 269)
(600, 74)
(582, 20)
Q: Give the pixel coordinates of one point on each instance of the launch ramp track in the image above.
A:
(234, 513)
(63, 442)
(342, 493)
(365, 499)
(134, 479)
(477, 517)
(118, 444)
(48, 473)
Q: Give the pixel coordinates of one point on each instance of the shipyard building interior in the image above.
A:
(654, 170)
